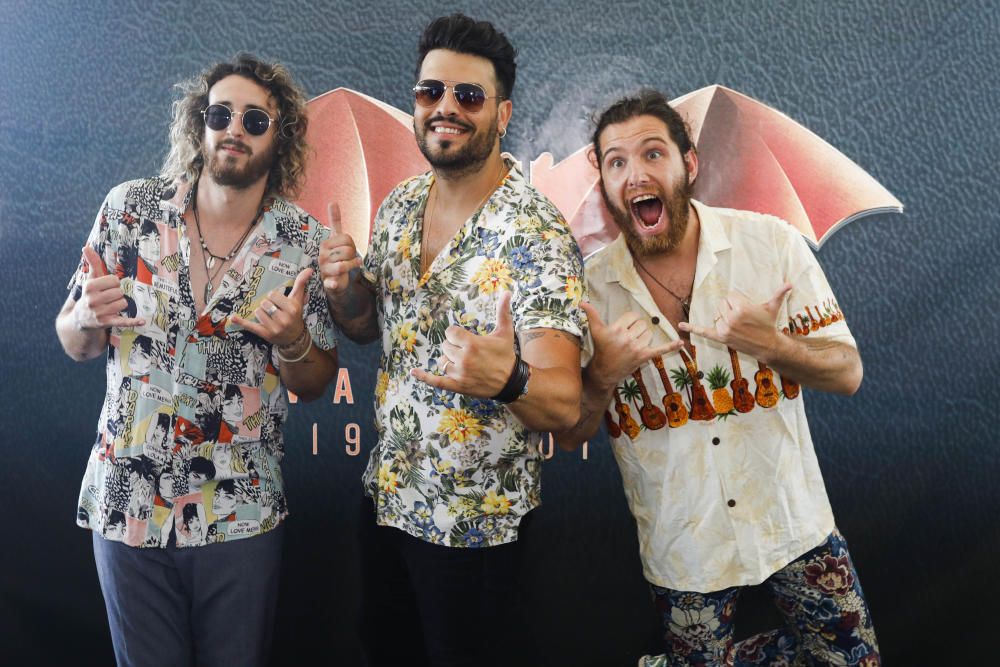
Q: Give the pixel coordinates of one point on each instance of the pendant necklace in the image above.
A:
(685, 301)
(208, 258)
(430, 206)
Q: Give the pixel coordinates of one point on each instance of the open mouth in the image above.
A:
(647, 210)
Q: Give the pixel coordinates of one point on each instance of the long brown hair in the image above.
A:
(187, 129)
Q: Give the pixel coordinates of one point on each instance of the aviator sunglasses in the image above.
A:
(470, 96)
(255, 121)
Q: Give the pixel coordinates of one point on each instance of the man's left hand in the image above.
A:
(279, 317)
(475, 365)
(745, 326)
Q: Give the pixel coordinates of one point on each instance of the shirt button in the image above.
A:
(656, 320)
(715, 441)
(731, 503)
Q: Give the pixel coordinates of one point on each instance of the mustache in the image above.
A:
(231, 143)
(453, 121)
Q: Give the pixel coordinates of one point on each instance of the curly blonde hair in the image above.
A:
(187, 129)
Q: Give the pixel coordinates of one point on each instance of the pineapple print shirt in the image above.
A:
(448, 468)
(721, 476)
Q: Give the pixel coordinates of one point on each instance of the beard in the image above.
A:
(467, 160)
(676, 206)
(223, 170)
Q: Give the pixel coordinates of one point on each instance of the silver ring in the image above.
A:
(444, 366)
(272, 310)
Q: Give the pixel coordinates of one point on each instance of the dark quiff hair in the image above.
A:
(461, 34)
(187, 130)
(647, 102)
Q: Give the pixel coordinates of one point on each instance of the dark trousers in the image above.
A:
(427, 604)
(210, 605)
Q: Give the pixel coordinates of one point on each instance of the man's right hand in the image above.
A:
(102, 300)
(621, 347)
(338, 256)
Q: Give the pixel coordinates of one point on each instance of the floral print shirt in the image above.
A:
(450, 469)
(189, 438)
(715, 451)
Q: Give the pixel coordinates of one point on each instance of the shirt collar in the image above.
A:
(712, 240)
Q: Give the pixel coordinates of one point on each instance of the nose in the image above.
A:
(447, 105)
(235, 128)
(637, 174)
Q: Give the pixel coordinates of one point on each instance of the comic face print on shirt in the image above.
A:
(183, 383)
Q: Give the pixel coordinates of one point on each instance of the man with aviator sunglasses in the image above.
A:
(230, 267)
(472, 281)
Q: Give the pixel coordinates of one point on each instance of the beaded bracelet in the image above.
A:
(298, 358)
(517, 383)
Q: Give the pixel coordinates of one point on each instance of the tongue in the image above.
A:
(649, 211)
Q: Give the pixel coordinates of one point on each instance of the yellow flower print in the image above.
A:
(459, 425)
(495, 504)
(381, 386)
(424, 319)
(549, 234)
(387, 480)
(493, 275)
(574, 289)
(404, 246)
(404, 336)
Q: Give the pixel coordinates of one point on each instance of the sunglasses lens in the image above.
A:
(470, 96)
(255, 122)
(217, 117)
(428, 92)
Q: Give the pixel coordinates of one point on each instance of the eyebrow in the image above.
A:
(647, 140)
(248, 106)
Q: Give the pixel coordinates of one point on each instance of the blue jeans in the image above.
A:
(827, 620)
(210, 605)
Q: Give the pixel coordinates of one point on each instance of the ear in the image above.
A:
(691, 164)
(592, 158)
(504, 111)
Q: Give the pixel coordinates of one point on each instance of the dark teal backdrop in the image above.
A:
(906, 89)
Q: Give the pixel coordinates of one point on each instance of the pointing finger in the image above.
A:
(505, 322)
(299, 289)
(333, 217)
(94, 262)
(593, 317)
(775, 303)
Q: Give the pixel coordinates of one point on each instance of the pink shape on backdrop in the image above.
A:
(751, 157)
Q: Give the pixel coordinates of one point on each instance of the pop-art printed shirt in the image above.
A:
(189, 438)
(450, 469)
(714, 449)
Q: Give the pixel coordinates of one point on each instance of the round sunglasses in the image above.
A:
(470, 96)
(219, 116)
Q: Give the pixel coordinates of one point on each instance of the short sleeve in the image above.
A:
(99, 240)
(812, 307)
(548, 270)
(371, 267)
(317, 312)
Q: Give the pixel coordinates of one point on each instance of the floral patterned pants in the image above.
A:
(827, 618)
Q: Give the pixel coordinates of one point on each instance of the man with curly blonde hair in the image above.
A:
(230, 266)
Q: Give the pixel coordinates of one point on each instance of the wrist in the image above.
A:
(774, 351)
(296, 345)
(517, 383)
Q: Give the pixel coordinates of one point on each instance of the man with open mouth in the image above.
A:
(723, 481)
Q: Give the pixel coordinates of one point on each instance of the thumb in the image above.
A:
(593, 318)
(333, 217)
(93, 261)
(775, 303)
(298, 292)
(505, 321)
